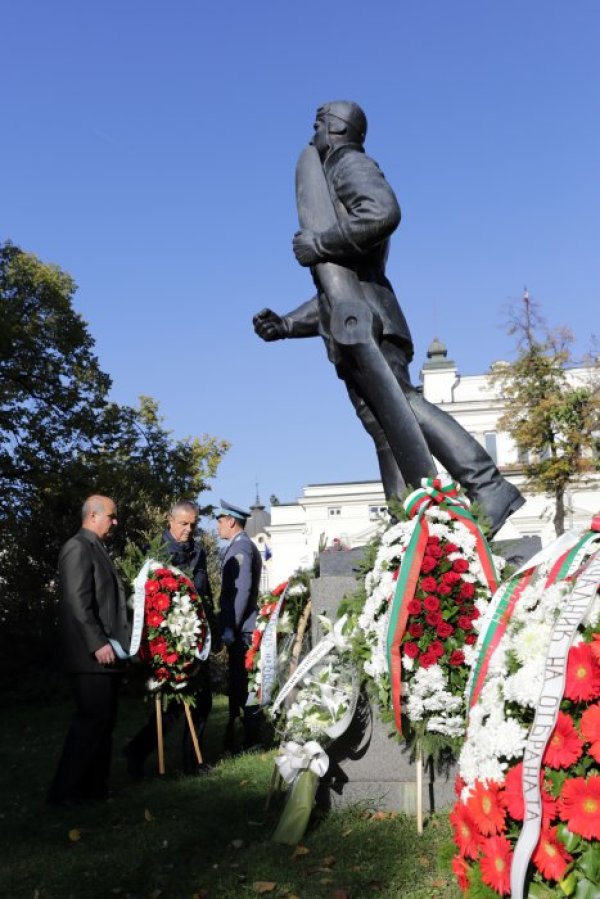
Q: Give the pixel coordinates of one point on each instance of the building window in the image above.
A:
(377, 512)
(334, 511)
(491, 445)
(522, 455)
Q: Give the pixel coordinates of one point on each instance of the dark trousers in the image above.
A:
(145, 741)
(238, 692)
(84, 765)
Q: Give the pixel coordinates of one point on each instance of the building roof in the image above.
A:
(259, 519)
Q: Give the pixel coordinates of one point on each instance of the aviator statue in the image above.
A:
(347, 212)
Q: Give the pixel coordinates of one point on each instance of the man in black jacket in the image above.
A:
(347, 213)
(187, 554)
(93, 630)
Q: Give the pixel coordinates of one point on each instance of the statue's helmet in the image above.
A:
(348, 112)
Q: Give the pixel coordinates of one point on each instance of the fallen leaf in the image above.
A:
(298, 851)
(148, 815)
(328, 861)
(74, 835)
(263, 886)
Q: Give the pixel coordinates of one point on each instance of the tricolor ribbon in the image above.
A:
(445, 493)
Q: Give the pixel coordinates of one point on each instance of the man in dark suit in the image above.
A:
(94, 632)
(347, 213)
(241, 566)
(187, 554)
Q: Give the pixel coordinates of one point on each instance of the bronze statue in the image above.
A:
(347, 213)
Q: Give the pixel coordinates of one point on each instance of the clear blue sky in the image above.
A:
(149, 150)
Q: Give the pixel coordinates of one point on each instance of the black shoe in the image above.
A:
(501, 507)
(135, 767)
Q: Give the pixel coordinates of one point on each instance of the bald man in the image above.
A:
(93, 626)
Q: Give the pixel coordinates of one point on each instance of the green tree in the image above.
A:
(551, 411)
(61, 438)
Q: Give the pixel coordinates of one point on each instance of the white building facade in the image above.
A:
(350, 514)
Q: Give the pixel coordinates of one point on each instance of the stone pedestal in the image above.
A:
(367, 764)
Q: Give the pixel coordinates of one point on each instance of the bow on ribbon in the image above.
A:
(295, 757)
(334, 632)
(443, 491)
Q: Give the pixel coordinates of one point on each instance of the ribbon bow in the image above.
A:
(295, 757)
(441, 489)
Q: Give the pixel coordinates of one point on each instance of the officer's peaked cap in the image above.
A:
(230, 509)
(349, 112)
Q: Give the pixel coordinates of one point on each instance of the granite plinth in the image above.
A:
(367, 764)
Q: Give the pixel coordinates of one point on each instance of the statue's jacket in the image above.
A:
(367, 214)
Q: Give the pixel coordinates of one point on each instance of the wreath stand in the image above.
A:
(159, 733)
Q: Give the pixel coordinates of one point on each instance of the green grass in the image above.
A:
(177, 838)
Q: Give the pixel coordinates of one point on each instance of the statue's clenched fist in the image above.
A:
(269, 325)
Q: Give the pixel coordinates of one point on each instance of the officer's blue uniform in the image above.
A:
(241, 567)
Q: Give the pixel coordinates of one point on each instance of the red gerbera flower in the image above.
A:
(583, 674)
(495, 864)
(550, 857)
(549, 808)
(486, 806)
(460, 870)
(595, 646)
(154, 619)
(151, 588)
(590, 728)
(564, 746)
(466, 836)
(169, 583)
(513, 792)
(579, 806)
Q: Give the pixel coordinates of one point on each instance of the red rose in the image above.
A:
(431, 603)
(444, 590)
(467, 590)
(161, 602)
(151, 588)
(433, 618)
(154, 619)
(427, 659)
(415, 630)
(428, 564)
(170, 657)
(460, 565)
(465, 623)
(444, 630)
(470, 639)
(414, 607)
(428, 584)
(436, 648)
(435, 550)
(410, 650)
(457, 658)
(161, 674)
(474, 613)
(450, 548)
(451, 578)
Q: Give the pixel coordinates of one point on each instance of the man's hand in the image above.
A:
(105, 655)
(305, 251)
(269, 325)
